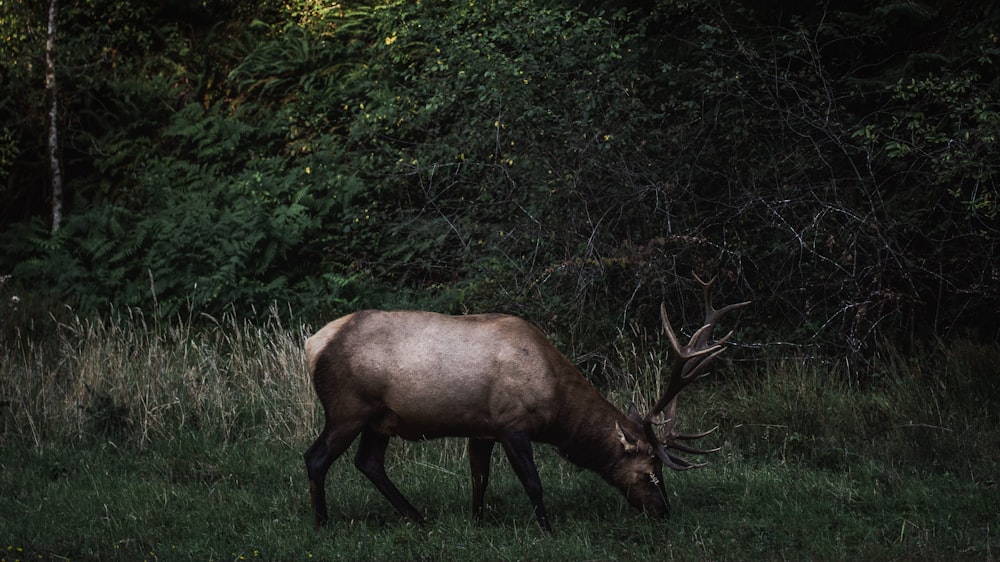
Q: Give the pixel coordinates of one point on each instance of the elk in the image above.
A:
(491, 378)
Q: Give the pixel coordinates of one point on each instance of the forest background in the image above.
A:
(572, 163)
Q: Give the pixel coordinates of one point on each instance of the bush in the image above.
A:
(834, 163)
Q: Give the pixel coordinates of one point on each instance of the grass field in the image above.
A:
(124, 441)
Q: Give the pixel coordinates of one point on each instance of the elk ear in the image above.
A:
(628, 442)
(634, 414)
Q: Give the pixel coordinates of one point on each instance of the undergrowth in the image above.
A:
(137, 382)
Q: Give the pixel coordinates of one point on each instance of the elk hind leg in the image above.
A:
(327, 448)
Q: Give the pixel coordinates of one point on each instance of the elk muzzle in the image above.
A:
(650, 496)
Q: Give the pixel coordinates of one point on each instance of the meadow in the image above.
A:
(125, 439)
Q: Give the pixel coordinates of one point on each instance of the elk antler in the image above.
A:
(689, 366)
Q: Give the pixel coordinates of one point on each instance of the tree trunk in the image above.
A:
(50, 93)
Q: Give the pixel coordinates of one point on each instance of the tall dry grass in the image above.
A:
(135, 381)
(128, 379)
(933, 408)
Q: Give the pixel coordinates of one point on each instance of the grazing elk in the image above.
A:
(491, 378)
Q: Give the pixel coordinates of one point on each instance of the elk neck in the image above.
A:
(584, 430)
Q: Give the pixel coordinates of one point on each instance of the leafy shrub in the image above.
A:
(835, 163)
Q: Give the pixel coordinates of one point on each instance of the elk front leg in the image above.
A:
(370, 460)
(519, 453)
(479, 461)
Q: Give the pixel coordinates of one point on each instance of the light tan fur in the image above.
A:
(441, 375)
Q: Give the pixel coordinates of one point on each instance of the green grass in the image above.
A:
(122, 441)
(195, 500)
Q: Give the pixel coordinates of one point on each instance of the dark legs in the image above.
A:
(318, 458)
(519, 453)
(370, 460)
(521, 457)
(479, 461)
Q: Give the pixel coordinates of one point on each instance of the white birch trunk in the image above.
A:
(50, 92)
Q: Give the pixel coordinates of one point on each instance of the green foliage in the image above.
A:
(774, 96)
(950, 123)
(834, 162)
(224, 230)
